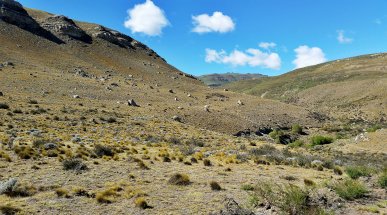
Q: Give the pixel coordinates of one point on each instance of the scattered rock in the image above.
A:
(207, 108)
(76, 139)
(189, 95)
(240, 102)
(132, 103)
(82, 73)
(177, 118)
(226, 90)
(316, 163)
(7, 186)
(170, 91)
(76, 97)
(361, 138)
(49, 146)
(231, 207)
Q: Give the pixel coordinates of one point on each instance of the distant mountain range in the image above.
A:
(216, 80)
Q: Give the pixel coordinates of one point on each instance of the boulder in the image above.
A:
(7, 186)
(64, 26)
(49, 146)
(132, 103)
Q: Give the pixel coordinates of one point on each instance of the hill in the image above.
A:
(352, 88)
(216, 80)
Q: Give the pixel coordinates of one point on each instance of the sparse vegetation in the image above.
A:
(74, 164)
(9, 209)
(215, 186)
(350, 189)
(141, 203)
(179, 179)
(321, 140)
(4, 106)
(297, 129)
(383, 179)
(356, 172)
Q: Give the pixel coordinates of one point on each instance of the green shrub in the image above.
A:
(247, 187)
(383, 179)
(297, 129)
(296, 144)
(374, 128)
(350, 189)
(356, 172)
(321, 140)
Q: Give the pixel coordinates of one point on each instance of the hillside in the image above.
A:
(93, 121)
(352, 88)
(216, 80)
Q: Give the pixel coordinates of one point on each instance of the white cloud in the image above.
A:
(146, 18)
(306, 56)
(251, 57)
(267, 45)
(218, 22)
(342, 39)
(378, 21)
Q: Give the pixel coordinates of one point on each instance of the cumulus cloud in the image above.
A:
(218, 22)
(146, 18)
(267, 45)
(306, 56)
(251, 57)
(342, 39)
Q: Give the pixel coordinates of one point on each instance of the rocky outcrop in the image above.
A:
(13, 13)
(122, 40)
(64, 26)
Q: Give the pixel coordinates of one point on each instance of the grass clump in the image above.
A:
(141, 203)
(9, 209)
(382, 181)
(74, 164)
(350, 189)
(179, 179)
(61, 192)
(321, 140)
(101, 151)
(337, 170)
(373, 128)
(207, 162)
(247, 187)
(296, 144)
(215, 186)
(356, 172)
(297, 129)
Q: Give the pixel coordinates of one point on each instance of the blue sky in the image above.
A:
(257, 36)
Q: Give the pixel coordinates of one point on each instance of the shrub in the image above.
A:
(383, 179)
(111, 120)
(215, 186)
(297, 129)
(22, 190)
(207, 162)
(17, 111)
(350, 189)
(337, 170)
(7, 186)
(247, 187)
(33, 102)
(179, 179)
(107, 196)
(356, 172)
(101, 151)
(25, 152)
(74, 164)
(266, 149)
(9, 209)
(374, 128)
(61, 192)
(141, 203)
(321, 140)
(296, 144)
(309, 182)
(4, 106)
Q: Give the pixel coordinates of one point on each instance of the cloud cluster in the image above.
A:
(308, 56)
(146, 18)
(267, 45)
(218, 22)
(251, 57)
(342, 39)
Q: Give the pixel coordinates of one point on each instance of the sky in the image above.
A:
(270, 37)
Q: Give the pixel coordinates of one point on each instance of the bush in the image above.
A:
(337, 170)
(101, 151)
(297, 129)
(141, 203)
(215, 186)
(9, 209)
(61, 192)
(179, 179)
(107, 196)
(207, 162)
(247, 187)
(33, 102)
(350, 189)
(356, 172)
(74, 164)
(296, 144)
(383, 179)
(321, 140)
(374, 128)
(4, 106)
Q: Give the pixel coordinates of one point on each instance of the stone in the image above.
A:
(7, 186)
(49, 146)
(132, 103)
(240, 102)
(231, 207)
(76, 97)
(177, 118)
(170, 91)
(1, 93)
(207, 108)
